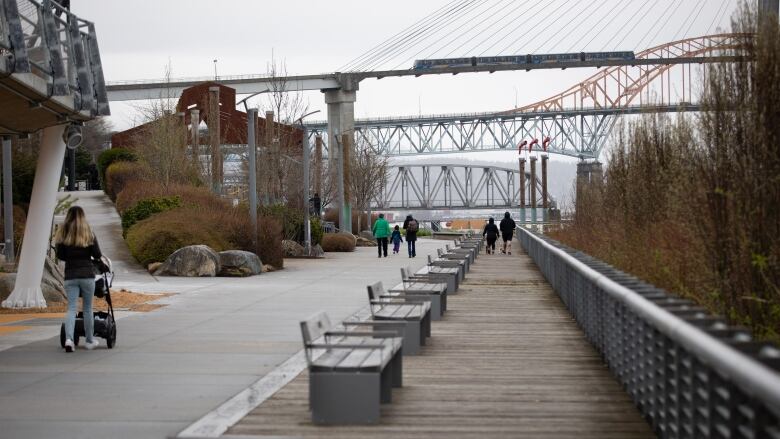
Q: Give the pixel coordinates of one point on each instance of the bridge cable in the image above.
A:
(656, 26)
(717, 14)
(566, 34)
(629, 33)
(526, 34)
(561, 28)
(592, 28)
(687, 31)
(626, 23)
(682, 26)
(666, 22)
(452, 8)
(609, 23)
(411, 34)
(390, 39)
(534, 37)
(448, 42)
(434, 28)
(519, 24)
(519, 5)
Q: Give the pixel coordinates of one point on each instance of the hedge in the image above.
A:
(110, 156)
(146, 208)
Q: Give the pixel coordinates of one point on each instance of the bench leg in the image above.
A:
(397, 366)
(386, 391)
(344, 398)
(412, 331)
(444, 300)
(436, 308)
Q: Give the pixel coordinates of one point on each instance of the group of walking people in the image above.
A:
(383, 233)
(507, 230)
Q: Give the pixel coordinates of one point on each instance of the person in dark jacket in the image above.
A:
(507, 227)
(411, 226)
(491, 234)
(78, 247)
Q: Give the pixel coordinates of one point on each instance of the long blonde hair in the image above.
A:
(74, 231)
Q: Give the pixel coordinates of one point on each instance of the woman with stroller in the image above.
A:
(78, 247)
(491, 234)
(397, 240)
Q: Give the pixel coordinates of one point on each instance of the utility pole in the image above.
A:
(216, 140)
(8, 201)
(346, 155)
(251, 145)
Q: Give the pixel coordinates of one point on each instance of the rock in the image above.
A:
(239, 263)
(367, 234)
(317, 251)
(154, 266)
(292, 249)
(52, 284)
(191, 261)
(363, 242)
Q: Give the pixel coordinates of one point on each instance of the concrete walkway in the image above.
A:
(171, 366)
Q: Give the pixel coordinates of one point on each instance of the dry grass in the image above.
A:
(693, 204)
(122, 300)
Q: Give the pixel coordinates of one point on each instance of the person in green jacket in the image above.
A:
(381, 231)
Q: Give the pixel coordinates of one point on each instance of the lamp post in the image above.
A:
(306, 215)
(215, 70)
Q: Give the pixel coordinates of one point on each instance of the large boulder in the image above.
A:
(52, 283)
(191, 261)
(292, 249)
(239, 263)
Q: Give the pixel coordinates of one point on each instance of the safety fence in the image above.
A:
(689, 372)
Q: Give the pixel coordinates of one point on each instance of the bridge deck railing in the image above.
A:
(46, 40)
(688, 372)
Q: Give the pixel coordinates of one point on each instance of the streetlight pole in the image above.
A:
(306, 214)
(215, 70)
(252, 153)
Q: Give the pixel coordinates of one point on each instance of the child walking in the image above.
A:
(396, 238)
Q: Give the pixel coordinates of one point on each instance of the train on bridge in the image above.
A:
(474, 61)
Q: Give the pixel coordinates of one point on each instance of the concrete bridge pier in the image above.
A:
(341, 121)
(27, 290)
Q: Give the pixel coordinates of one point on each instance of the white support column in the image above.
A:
(27, 291)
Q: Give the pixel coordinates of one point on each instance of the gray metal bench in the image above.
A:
(449, 263)
(430, 273)
(415, 314)
(420, 289)
(350, 372)
(455, 257)
(471, 252)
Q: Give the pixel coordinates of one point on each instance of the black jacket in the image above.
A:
(491, 230)
(507, 226)
(410, 236)
(79, 260)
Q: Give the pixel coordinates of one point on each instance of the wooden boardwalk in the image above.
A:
(507, 360)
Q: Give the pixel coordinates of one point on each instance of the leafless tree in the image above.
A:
(368, 172)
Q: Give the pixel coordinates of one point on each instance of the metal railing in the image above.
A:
(689, 372)
(46, 40)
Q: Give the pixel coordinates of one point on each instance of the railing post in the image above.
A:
(50, 38)
(21, 63)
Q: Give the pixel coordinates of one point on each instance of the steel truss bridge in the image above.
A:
(578, 120)
(448, 186)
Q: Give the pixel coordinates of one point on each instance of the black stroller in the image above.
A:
(105, 324)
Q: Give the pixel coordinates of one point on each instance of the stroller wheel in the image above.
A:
(111, 340)
(62, 336)
(75, 339)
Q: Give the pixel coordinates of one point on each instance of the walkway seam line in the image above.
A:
(216, 422)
